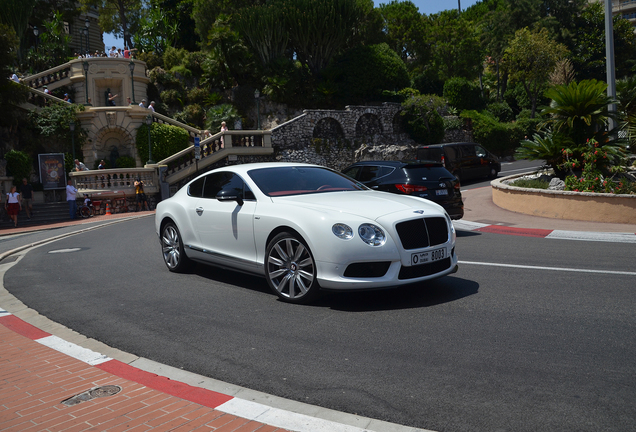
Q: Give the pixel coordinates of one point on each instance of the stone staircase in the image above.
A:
(43, 214)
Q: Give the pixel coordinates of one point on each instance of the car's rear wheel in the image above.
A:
(172, 249)
(493, 173)
(290, 269)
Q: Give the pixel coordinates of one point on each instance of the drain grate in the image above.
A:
(97, 392)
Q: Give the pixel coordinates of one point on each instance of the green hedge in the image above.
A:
(166, 141)
(462, 94)
(498, 137)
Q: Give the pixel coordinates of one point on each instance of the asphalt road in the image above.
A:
(489, 348)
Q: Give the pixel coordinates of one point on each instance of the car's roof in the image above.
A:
(448, 144)
(398, 164)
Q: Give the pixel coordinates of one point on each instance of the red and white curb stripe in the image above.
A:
(544, 233)
(228, 404)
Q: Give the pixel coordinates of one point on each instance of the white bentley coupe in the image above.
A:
(304, 228)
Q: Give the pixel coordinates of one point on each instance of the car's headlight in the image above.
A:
(372, 235)
(342, 231)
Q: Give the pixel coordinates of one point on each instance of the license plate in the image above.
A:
(426, 257)
(441, 192)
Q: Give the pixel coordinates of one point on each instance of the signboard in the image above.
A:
(197, 148)
(52, 173)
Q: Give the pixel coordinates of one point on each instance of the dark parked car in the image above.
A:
(465, 160)
(429, 180)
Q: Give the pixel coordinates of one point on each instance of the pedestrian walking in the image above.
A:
(13, 205)
(71, 193)
(140, 195)
(26, 193)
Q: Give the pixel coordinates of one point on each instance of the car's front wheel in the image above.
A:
(290, 269)
(172, 249)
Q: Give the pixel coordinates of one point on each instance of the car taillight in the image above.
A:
(443, 161)
(457, 185)
(409, 189)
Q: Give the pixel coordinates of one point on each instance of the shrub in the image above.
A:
(422, 119)
(166, 140)
(502, 111)
(19, 165)
(383, 70)
(462, 94)
(531, 183)
(151, 58)
(499, 138)
(124, 162)
(172, 97)
(192, 115)
(220, 113)
(197, 95)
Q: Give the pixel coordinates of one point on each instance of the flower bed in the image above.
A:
(584, 206)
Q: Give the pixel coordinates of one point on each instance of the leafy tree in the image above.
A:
(16, 13)
(120, 17)
(54, 45)
(495, 30)
(403, 27)
(10, 92)
(588, 51)
(455, 49)
(530, 59)
(156, 30)
(51, 123)
(422, 118)
(221, 113)
(383, 70)
(19, 165)
(265, 31)
(462, 94)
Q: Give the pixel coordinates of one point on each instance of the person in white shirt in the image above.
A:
(112, 52)
(151, 107)
(143, 103)
(71, 192)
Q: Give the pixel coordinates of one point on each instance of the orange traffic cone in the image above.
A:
(108, 209)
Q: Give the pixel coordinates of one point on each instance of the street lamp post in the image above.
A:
(131, 65)
(609, 55)
(71, 126)
(87, 24)
(257, 96)
(149, 123)
(85, 65)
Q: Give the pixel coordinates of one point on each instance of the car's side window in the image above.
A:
(468, 150)
(215, 182)
(370, 172)
(196, 188)
(248, 194)
(352, 172)
(480, 151)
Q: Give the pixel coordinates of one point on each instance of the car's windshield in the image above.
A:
(294, 180)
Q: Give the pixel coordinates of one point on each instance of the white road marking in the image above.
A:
(75, 351)
(565, 269)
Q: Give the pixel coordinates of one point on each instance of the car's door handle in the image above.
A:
(199, 210)
(374, 187)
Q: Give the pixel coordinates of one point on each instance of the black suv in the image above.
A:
(465, 160)
(428, 180)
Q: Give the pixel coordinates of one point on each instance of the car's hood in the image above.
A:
(367, 204)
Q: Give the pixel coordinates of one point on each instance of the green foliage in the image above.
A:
(548, 147)
(531, 183)
(530, 58)
(198, 95)
(500, 138)
(383, 70)
(172, 97)
(453, 123)
(124, 162)
(597, 175)
(10, 92)
(579, 110)
(220, 113)
(192, 115)
(166, 140)
(462, 94)
(52, 122)
(19, 165)
(404, 28)
(501, 111)
(152, 59)
(174, 57)
(422, 119)
(264, 29)
(164, 79)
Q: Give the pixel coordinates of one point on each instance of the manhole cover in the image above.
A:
(97, 392)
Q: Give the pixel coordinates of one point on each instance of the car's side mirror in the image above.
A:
(229, 196)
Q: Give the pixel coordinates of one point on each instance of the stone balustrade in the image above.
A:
(115, 182)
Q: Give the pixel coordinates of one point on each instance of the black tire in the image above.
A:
(85, 212)
(493, 173)
(172, 249)
(290, 269)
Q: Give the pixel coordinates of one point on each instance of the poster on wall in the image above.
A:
(52, 174)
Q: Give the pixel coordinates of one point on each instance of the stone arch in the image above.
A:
(328, 128)
(368, 125)
(112, 142)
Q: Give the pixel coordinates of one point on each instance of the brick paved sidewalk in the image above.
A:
(36, 379)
